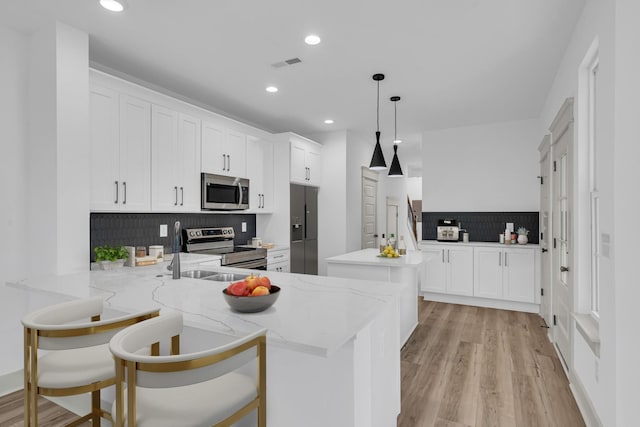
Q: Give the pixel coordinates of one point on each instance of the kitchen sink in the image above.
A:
(226, 277)
(198, 274)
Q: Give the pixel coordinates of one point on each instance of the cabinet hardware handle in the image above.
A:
(505, 260)
(449, 256)
(500, 259)
(545, 250)
(224, 162)
(443, 256)
(175, 189)
(117, 190)
(563, 268)
(124, 197)
(279, 256)
(228, 162)
(181, 196)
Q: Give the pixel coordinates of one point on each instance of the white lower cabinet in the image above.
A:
(278, 260)
(447, 269)
(507, 274)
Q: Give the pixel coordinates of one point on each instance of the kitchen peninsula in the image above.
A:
(402, 273)
(333, 343)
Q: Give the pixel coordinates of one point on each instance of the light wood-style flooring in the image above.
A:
(463, 366)
(474, 366)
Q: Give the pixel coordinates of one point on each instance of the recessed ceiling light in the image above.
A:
(112, 5)
(272, 89)
(312, 39)
(328, 121)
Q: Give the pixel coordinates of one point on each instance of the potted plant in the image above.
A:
(109, 257)
(522, 236)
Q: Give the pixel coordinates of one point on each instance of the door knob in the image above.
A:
(545, 250)
(563, 268)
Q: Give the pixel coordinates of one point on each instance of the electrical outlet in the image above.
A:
(163, 230)
(244, 227)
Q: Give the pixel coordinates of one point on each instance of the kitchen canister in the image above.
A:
(465, 237)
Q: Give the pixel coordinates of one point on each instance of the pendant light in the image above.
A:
(395, 170)
(377, 160)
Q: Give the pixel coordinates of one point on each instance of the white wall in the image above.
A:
(490, 167)
(13, 163)
(414, 188)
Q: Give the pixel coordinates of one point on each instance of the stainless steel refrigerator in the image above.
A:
(304, 229)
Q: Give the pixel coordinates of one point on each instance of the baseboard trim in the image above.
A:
(481, 302)
(13, 381)
(587, 410)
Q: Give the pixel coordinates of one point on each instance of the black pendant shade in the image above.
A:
(395, 170)
(377, 160)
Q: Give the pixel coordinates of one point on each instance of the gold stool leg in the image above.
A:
(95, 408)
(27, 379)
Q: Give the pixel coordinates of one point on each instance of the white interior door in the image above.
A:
(545, 231)
(369, 208)
(562, 272)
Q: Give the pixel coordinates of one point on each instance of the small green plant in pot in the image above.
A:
(110, 256)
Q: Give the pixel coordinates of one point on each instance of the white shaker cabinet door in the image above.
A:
(213, 159)
(434, 270)
(519, 275)
(105, 149)
(488, 272)
(135, 158)
(164, 155)
(189, 160)
(312, 161)
(236, 150)
(460, 271)
(298, 166)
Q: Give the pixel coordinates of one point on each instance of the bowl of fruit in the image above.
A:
(251, 295)
(389, 252)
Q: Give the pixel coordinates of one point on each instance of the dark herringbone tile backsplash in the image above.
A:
(143, 229)
(482, 226)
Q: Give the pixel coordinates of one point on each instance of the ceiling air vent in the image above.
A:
(286, 62)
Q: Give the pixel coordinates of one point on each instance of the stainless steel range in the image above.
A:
(220, 241)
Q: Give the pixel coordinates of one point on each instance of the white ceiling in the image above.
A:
(453, 62)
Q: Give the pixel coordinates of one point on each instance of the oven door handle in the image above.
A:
(260, 264)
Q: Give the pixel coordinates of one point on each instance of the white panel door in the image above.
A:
(487, 267)
(545, 233)
(369, 209)
(135, 154)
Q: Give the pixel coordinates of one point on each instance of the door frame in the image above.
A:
(546, 181)
(392, 201)
(373, 176)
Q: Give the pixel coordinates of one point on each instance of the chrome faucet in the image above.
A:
(175, 262)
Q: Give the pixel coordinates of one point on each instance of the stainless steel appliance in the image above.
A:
(221, 192)
(448, 230)
(304, 229)
(220, 241)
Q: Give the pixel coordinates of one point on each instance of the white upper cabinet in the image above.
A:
(260, 173)
(305, 162)
(175, 139)
(223, 150)
(120, 151)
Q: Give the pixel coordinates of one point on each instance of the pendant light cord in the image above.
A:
(395, 122)
(378, 109)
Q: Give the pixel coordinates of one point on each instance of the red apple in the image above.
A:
(264, 281)
(238, 289)
(251, 282)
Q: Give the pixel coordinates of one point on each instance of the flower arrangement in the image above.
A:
(522, 230)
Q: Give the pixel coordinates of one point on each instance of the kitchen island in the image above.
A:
(402, 273)
(333, 344)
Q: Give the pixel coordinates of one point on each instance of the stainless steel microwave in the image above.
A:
(221, 192)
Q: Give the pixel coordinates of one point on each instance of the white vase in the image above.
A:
(110, 265)
(522, 239)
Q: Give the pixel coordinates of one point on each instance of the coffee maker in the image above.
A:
(448, 230)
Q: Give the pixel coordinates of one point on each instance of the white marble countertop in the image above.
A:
(412, 259)
(483, 244)
(313, 314)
